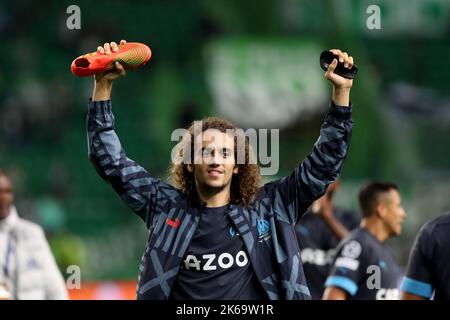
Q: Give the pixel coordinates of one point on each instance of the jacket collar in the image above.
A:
(10, 221)
(241, 224)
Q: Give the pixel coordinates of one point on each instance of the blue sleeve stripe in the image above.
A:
(419, 288)
(343, 283)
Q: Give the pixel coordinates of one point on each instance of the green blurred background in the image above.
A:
(254, 62)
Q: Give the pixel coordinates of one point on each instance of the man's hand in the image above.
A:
(323, 207)
(341, 85)
(103, 81)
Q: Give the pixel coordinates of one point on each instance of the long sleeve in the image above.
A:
(137, 188)
(295, 193)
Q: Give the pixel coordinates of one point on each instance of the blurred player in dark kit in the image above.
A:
(365, 267)
(319, 232)
(428, 272)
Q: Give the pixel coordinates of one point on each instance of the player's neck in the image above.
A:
(376, 228)
(214, 198)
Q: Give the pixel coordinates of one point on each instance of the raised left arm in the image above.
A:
(295, 193)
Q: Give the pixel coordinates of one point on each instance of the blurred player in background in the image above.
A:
(28, 269)
(428, 273)
(218, 235)
(319, 232)
(365, 267)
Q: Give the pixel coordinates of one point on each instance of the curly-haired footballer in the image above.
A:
(218, 234)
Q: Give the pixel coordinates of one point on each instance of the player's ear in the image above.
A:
(381, 210)
(236, 169)
(190, 168)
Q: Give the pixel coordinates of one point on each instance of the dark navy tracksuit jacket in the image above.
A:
(266, 228)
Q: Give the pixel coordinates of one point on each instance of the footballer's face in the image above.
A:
(6, 196)
(394, 213)
(214, 165)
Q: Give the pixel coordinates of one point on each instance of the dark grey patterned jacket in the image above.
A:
(267, 229)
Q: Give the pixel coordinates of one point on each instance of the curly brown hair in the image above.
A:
(244, 184)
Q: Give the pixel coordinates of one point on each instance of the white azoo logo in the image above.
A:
(208, 262)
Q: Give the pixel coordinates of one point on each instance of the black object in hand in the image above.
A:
(326, 57)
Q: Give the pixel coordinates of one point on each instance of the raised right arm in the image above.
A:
(134, 184)
(137, 188)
